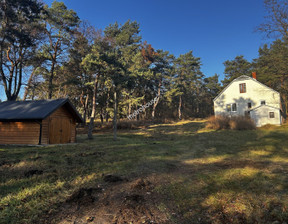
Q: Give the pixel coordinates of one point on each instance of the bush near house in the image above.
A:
(234, 123)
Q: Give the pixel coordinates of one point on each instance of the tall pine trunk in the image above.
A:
(54, 62)
(93, 113)
(157, 101)
(85, 107)
(11, 88)
(107, 105)
(51, 77)
(102, 116)
(115, 116)
(129, 107)
(29, 84)
(180, 108)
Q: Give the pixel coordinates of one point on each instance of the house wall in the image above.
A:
(255, 93)
(19, 133)
(59, 114)
(261, 116)
(45, 132)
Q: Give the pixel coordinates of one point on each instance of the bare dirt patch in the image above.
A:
(113, 178)
(114, 202)
(84, 196)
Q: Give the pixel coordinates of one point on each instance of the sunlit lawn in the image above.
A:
(204, 176)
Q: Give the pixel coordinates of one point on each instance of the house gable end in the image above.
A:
(247, 93)
(243, 78)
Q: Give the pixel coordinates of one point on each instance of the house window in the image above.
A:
(249, 105)
(231, 107)
(242, 87)
(271, 115)
(263, 102)
(228, 106)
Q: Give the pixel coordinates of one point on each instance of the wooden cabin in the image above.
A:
(38, 122)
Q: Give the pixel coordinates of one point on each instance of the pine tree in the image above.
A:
(235, 68)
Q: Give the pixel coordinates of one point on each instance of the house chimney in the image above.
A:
(254, 76)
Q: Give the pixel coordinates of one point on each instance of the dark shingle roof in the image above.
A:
(34, 110)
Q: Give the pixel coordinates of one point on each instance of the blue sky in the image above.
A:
(214, 30)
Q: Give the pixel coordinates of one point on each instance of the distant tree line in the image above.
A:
(48, 52)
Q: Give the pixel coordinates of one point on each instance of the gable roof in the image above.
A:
(34, 110)
(242, 78)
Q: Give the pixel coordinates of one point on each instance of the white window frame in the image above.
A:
(231, 107)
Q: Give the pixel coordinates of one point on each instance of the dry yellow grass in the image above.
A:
(197, 175)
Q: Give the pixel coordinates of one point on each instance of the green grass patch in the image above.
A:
(200, 175)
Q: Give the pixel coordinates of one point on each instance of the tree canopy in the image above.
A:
(48, 52)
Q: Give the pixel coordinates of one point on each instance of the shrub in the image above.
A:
(217, 123)
(234, 123)
(242, 123)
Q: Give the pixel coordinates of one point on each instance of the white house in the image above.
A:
(245, 96)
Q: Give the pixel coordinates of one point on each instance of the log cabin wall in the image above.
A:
(19, 133)
(28, 132)
(23, 122)
(59, 127)
(45, 132)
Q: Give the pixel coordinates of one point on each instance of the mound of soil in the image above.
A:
(141, 184)
(134, 198)
(139, 205)
(31, 173)
(113, 179)
(121, 203)
(139, 214)
(84, 196)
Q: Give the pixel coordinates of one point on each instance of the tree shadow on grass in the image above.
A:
(197, 177)
(228, 191)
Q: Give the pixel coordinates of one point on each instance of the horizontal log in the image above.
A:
(19, 142)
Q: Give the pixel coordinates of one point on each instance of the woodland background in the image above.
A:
(48, 53)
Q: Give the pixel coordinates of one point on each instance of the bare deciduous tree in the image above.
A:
(276, 21)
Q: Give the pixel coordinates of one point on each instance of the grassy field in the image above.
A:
(173, 173)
